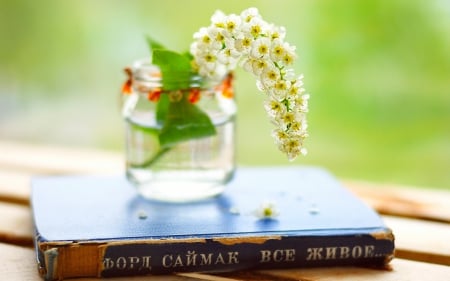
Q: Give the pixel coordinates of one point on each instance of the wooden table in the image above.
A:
(419, 218)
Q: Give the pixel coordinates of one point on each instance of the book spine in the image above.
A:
(184, 255)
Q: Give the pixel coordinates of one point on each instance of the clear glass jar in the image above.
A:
(195, 168)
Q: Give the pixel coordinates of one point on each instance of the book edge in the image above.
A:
(58, 256)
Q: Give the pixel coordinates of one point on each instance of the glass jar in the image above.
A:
(169, 155)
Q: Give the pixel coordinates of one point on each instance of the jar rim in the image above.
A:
(146, 75)
(144, 70)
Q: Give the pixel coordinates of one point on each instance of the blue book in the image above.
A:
(90, 226)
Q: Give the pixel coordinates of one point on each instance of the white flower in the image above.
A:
(217, 37)
(294, 92)
(229, 56)
(270, 76)
(277, 32)
(207, 60)
(216, 73)
(296, 89)
(292, 147)
(248, 14)
(259, 66)
(298, 82)
(256, 27)
(301, 103)
(260, 86)
(289, 55)
(303, 151)
(244, 44)
(274, 108)
(280, 88)
(202, 36)
(288, 74)
(218, 19)
(247, 64)
(232, 24)
(267, 210)
(280, 136)
(277, 50)
(260, 48)
(298, 127)
(287, 119)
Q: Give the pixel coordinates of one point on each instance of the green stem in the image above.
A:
(152, 160)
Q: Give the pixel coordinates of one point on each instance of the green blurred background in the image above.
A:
(378, 73)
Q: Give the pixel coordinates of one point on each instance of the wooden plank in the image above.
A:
(400, 270)
(14, 186)
(17, 264)
(426, 204)
(16, 226)
(421, 240)
(40, 159)
(19, 162)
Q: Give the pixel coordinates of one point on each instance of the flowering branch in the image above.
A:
(258, 47)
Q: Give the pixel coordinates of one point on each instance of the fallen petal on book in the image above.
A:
(267, 210)
(314, 210)
(234, 211)
(142, 215)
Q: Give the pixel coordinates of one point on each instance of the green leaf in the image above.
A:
(170, 61)
(142, 129)
(175, 69)
(185, 121)
(153, 44)
(188, 55)
(162, 108)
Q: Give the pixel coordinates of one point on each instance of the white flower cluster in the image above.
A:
(258, 47)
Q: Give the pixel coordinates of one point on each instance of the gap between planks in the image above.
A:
(410, 202)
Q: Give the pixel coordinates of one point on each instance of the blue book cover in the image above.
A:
(100, 226)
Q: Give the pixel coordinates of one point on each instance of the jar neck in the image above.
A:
(146, 77)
